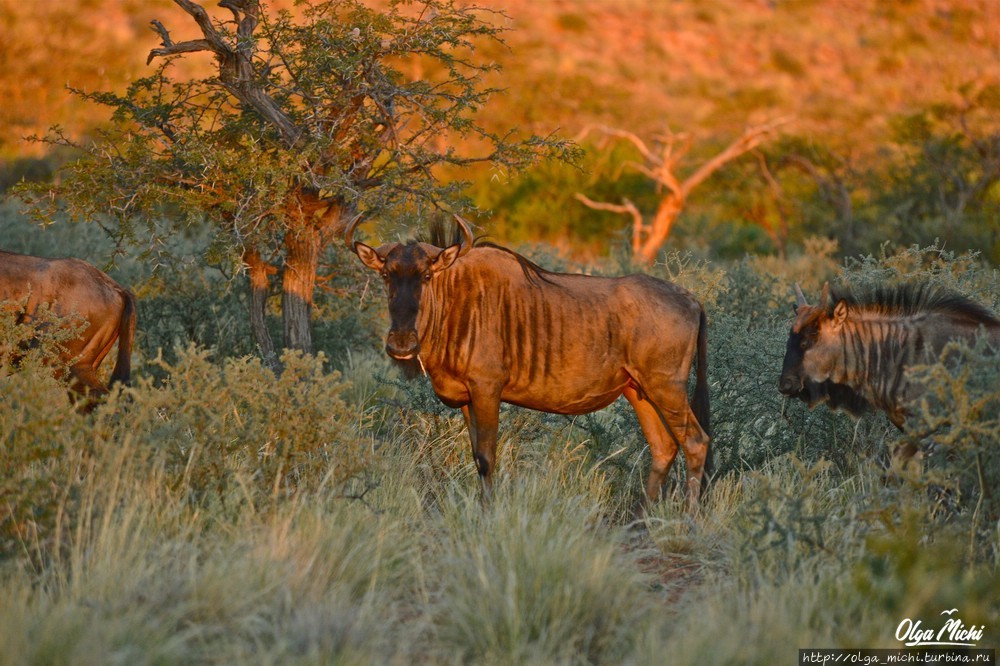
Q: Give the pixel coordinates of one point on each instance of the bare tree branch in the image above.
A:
(638, 227)
(750, 139)
(236, 69)
(661, 168)
(621, 134)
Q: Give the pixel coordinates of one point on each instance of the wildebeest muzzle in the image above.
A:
(789, 385)
(402, 345)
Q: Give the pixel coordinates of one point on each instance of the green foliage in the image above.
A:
(238, 426)
(541, 204)
(311, 116)
(788, 521)
(217, 435)
(962, 272)
(956, 419)
(905, 572)
(937, 180)
(32, 464)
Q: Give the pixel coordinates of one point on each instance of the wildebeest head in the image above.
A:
(808, 357)
(406, 268)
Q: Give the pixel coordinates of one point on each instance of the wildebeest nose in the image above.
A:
(786, 385)
(401, 344)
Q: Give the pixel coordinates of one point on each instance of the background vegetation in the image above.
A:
(215, 512)
(894, 106)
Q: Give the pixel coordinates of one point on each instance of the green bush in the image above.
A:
(40, 433)
(956, 420)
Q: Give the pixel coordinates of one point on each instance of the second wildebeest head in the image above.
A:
(809, 321)
(406, 268)
(864, 341)
(794, 380)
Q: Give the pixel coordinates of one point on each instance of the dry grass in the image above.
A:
(165, 528)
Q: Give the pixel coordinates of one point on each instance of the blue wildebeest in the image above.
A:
(74, 288)
(853, 350)
(489, 326)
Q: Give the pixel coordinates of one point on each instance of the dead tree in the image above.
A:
(661, 163)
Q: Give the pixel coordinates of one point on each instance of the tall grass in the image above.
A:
(215, 513)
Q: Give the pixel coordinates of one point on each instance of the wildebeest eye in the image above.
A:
(427, 276)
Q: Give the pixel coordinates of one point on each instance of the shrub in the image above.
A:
(236, 428)
(956, 420)
(39, 429)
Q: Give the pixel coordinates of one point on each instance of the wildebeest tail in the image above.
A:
(126, 337)
(700, 402)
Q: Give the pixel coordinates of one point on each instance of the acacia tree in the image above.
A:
(307, 119)
(661, 164)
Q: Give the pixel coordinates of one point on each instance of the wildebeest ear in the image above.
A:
(369, 257)
(840, 313)
(446, 258)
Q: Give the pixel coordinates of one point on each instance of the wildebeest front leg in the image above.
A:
(482, 416)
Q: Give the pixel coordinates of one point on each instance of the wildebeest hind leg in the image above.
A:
(669, 402)
(87, 385)
(661, 444)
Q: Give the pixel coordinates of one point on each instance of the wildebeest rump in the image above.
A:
(488, 326)
(855, 348)
(74, 287)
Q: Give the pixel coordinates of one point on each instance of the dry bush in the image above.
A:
(235, 430)
(218, 434)
(40, 432)
(955, 420)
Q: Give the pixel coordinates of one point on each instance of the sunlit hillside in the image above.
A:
(890, 111)
(840, 67)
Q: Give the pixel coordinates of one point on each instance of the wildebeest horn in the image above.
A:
(349, 231)
(467, 232)
(800, 298)
(824, 298)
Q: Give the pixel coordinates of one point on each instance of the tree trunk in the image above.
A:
(260, 271)
(659, 230)
(303, 247)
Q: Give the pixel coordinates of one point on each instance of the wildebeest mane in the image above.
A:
(532, 271)
(914, 299)
(438, 236)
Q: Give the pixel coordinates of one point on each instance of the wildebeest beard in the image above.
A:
(837, 396)
(410, 368)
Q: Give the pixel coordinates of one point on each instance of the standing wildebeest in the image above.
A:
(71, 287)
(854, 350)
(488, 326)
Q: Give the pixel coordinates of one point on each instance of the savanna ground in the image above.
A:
(215, 513)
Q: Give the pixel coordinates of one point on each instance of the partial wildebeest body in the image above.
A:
(856, 349)
(488, 326)
(71, 287)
